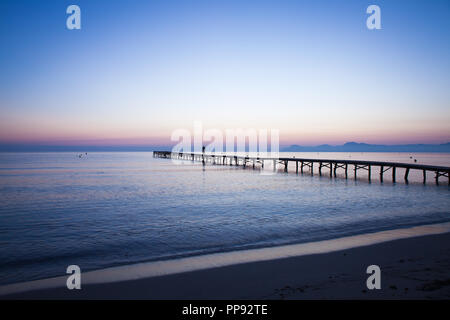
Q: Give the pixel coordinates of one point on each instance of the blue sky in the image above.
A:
(137, 70)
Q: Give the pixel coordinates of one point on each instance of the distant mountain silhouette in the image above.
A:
(347, 147)
(365, 147)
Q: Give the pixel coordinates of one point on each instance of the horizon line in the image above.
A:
(344, 147)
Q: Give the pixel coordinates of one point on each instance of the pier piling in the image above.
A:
(406, 175)
(332, 164)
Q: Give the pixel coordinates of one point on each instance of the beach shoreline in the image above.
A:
(412, 267)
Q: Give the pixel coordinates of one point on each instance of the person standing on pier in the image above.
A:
(203, 155)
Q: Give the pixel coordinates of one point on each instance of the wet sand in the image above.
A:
(412, 268)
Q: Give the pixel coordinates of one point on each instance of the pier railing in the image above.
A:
(332, 165)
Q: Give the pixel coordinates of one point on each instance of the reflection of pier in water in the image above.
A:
(331, 165)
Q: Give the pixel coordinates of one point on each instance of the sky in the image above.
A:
(137, 71)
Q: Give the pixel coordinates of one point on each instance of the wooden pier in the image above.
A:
(330, 165)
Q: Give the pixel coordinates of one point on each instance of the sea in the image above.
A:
(106, 209)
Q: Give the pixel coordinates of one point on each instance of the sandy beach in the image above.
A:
(411, 268)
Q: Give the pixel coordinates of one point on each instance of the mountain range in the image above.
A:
(365, 147)
(347, 147)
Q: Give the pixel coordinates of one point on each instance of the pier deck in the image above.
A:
(332, 165)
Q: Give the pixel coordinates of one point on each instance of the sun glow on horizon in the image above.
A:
(309, 69)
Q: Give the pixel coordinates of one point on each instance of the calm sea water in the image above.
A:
(108, 209)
